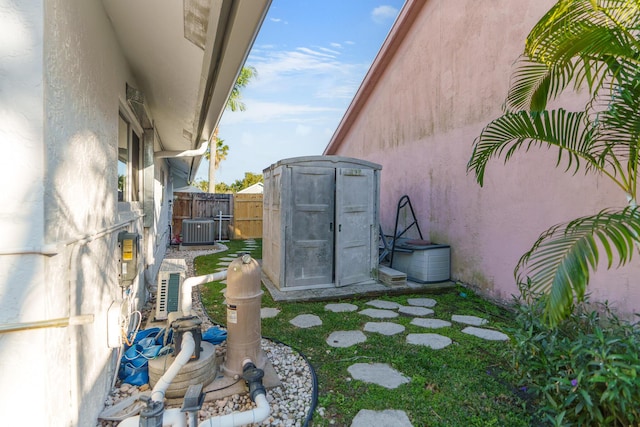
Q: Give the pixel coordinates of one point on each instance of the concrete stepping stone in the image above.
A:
(384, 328)
(379, 314)
(415, 311)
(422, 302)
(345, 338)
(390, 305)
(341, 307)
(224, 263)
(434, 341)
(306, 321)
(487, 334)
(431, 323)
(269, 312)
(223, 291)
(469, 320)
(227, 258)
(221, 268)
(386, 418)
(377, 373)
(224, 282)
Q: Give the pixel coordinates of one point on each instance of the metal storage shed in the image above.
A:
(320, 222)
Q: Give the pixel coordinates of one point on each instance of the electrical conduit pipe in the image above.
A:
(188, 285)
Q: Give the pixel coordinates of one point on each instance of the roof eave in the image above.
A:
(227, 46)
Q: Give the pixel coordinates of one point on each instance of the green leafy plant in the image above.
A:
(584, 371)
(590, 44)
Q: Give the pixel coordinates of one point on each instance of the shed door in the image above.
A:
(310, 236)
(354, 218)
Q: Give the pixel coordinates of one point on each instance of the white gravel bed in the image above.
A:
(290, 403)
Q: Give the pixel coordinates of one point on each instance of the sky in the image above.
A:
(310, 57)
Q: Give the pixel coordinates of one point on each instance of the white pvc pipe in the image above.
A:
(189, 283)
(187, 153)
(236, 419)
(188, 346)
(170, 418)
(176, 418)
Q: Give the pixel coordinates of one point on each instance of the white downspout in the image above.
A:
(187, 153)
(188, 285)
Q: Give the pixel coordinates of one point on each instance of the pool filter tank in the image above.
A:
(244, 331)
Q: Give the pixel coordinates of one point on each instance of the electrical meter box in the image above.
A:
(128, 246)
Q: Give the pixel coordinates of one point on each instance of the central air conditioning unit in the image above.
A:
(170, 277)
(198, 232)
(430, 263)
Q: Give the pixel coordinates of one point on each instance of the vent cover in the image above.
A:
(198, 232)
(172, 274)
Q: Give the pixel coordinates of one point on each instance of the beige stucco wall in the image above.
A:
(447, 80)
(63, 82)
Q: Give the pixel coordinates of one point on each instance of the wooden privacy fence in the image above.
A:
(247, 217)
(240, 215)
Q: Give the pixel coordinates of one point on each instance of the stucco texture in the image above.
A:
(445, 81)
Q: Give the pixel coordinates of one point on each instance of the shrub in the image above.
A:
(583, 371)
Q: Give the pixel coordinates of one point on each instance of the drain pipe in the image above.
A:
(253, 376)
(188, 285)
(187, 153)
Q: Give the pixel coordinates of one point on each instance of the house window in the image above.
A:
(128, 162)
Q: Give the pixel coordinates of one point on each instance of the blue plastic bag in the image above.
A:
(214, 335)
(134, 365)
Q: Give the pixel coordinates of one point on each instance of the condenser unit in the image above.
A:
(427, 264)
(170, 277)
(198, 232)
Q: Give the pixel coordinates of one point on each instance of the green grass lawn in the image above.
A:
(464, 384)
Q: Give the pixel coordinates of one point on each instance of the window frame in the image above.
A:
(134, 155)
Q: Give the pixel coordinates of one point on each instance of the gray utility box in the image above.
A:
(320, 222)
(425, 264)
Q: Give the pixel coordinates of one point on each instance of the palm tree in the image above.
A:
(234, 103)
(221, 151)
(590, 44)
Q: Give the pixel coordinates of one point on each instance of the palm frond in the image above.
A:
(581, 37)
(534, 83)
(562, 259)
(570, 132)
(586, 28)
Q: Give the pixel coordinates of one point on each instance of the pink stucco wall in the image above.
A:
(418, 117)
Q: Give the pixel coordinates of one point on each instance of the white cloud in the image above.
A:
(325, 49)
(316, 53)
(262, 112)
(382, 14)
(275, 19)
(282, 70)
(336, 45)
